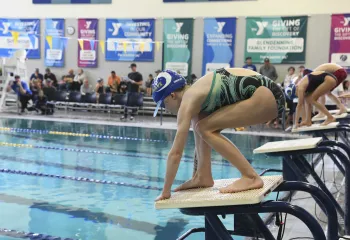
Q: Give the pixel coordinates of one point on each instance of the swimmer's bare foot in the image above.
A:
(243, 184)
(320, 115)
(305, 123)
(328, 121)
(196, 182)
(341, 111)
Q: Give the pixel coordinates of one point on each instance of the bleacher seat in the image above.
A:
(50, 93)
(135, 101)
(105, 99)
(74, 97)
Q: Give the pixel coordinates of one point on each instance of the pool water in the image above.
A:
(89, 210)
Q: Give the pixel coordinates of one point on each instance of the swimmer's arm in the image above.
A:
(175, 154)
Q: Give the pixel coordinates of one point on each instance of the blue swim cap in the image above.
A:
(165, 83)
(290, 91)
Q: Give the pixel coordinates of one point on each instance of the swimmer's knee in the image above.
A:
(202, 129)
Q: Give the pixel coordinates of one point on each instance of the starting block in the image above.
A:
(316, 127)
(297, 168)
(316, 130)
(341, 116)
(336, 111)
(247, 205)
(206, 197)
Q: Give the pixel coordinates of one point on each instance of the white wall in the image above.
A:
(318, 35)
(156, 8)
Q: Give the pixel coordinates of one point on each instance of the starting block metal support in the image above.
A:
(265, 207)
(295, 166)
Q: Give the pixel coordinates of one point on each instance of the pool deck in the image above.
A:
(139, 121)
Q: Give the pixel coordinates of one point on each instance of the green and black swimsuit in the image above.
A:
(227, 89)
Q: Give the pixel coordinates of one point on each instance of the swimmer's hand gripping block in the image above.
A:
(316, 127)
(343, 115)
(289, 145)
(211, 197)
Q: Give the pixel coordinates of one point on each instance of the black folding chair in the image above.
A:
(135, 101)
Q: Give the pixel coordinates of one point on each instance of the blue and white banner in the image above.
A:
(130, 39)
(54, 42)
(18, 34)
(218, 46)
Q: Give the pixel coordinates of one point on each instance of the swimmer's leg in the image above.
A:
(321, 100)
(342, 108)
(321, 90)
(260, 108)
(202, 176)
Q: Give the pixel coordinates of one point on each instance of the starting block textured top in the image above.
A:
(316, 127)
(211, 197)
(289, 145)
(343, 115)
(336, 111)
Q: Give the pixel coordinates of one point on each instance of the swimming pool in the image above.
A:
(100, 186)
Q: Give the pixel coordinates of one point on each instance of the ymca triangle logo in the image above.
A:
(116, 27)
(179, 26)
(220, 26)
(261, 26)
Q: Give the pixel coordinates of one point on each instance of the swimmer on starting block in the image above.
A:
(311, 87)
(226, 98)
(340, 73)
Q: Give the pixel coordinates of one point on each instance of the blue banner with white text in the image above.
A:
(54, 42)
(16, 34)
(130, 39)
(218, 45)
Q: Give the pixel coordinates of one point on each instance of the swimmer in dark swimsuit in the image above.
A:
(226, 98)
(340, 73)
(309, 90)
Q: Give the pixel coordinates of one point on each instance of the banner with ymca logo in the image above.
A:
(18, 34)
(218, 47)
(339, 51)
(130, 40)
(178, 40)
(281, 39)
(87, 39)
(55, 42)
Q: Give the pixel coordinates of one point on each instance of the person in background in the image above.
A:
(249, 64)
(290, 78)
(37, 75)
(86, 88)
(51, 76)
(268, 70)
(42, 105)
(78, 80)
(99, 89)
(114, 83)
(157, 72)
(149, 85)
(68, 80)
(300, 74)
(194, 78)
(35, 86)
(346, 86)
(135, 81)
(22, 90)
(49, 84)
